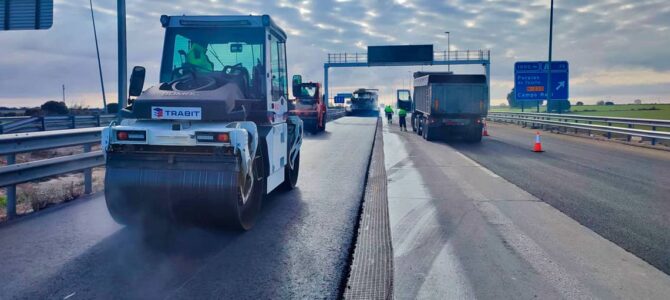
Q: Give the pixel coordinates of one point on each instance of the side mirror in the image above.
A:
(136, 81)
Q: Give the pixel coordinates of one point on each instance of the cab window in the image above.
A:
(278, 68)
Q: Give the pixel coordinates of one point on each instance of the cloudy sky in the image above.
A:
(617, 49)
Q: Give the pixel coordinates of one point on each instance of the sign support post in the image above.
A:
(551, 29)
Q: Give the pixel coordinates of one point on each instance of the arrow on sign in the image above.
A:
(560, 85)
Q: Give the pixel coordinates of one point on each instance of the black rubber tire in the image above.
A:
(325, 121)
(427, 135)
(474, 135)
(419, 129)
(244, 214)
(291, 175)
(413, 119)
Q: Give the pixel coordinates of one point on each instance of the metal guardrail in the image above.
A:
(335, 113)
(31, 124)
(581, 122)
(13, 144)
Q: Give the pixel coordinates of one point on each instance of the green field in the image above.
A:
(646, 111)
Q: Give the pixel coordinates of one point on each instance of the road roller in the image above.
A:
(213, 138)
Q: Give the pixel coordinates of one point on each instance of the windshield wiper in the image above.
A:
(211, 50)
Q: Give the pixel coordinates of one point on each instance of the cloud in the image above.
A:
(611, 45)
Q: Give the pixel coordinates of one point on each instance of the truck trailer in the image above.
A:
(448, 105)
(214, 137)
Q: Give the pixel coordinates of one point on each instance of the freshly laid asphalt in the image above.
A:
(299, 247)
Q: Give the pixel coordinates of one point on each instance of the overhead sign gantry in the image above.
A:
(406, 55)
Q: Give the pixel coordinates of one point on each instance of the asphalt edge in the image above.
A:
(370, 275)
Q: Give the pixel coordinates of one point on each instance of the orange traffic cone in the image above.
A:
(486, 132)
(538, 144)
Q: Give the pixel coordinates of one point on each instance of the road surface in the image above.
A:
(619, 191)
(487, 227)
(299, 247)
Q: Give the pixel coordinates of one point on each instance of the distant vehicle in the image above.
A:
(404, 100)
(347, 107)
(365, 101)
(308, 104)
(447, 104)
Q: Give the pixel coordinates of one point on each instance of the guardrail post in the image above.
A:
(609, 134)
(589, 132)
(11, 191)
(653, 141)
(88, 174)
(97, 120)
(73, 120)
(629, 136)
(44, 123)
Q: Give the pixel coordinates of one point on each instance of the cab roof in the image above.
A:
(249, 21)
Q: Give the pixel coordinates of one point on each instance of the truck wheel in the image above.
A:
(474, 135)
(325, 121)
(419, 127)
(427, 134)
(291, 174)
(250, 193)
(413, 119)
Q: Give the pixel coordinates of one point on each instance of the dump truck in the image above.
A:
(447, 104)
(308, 104)
(214, 137)
(404, 100)
(364, 102)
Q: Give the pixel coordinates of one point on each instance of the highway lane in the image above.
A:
(461, 230)
(619, 191)
(298, 248)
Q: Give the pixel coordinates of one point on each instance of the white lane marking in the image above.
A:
(68, 296)
(564, 282)
(446, 278)
(529, 250)
(487, 171)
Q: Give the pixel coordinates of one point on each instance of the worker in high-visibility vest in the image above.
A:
(197, 57)
(402, 114)
(389, 113)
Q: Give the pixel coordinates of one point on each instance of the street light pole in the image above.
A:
(97, 51)
(551, 29)
(448, 48)
(122, 63)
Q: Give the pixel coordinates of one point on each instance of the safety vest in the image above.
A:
(402, 113)
(388, 109)
(197, 57)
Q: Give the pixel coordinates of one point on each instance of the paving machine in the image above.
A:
(214, 137)
(308, 104)
(365, 101)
